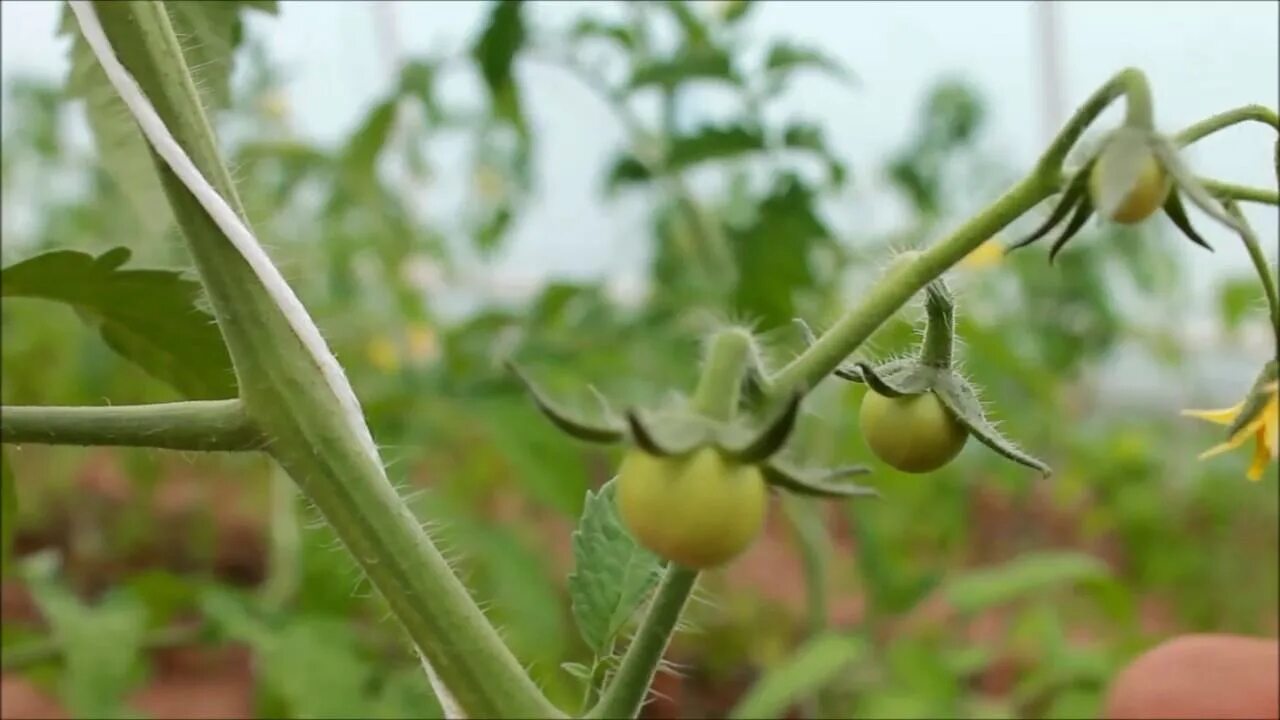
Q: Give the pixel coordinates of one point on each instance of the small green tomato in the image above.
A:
(1145, 197)
(699, 511)
(913, 433)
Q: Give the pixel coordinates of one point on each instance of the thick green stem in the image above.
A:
(939, 332)
(207, 425)
(894, 290)
(1265, 273)
(1210, 125)
(312, 433)
(626, 693)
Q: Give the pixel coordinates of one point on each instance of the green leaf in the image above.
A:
(149, 317)
(8, 512)
(101, 644)
(495, 52)
(701, 64)
(360, 155)
(611, 575)
(785, 58)
(592, 28)
(695, 32)
(731, 11)
(332, 680)
(705, 144)
(977, 590)
(1238, 297)
(211, 31)
(819, 662)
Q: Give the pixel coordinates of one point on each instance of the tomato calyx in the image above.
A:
(1117, 168)
(678, 432)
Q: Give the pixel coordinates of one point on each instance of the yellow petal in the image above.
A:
(1236, 441)
(1226, 416)
(1261, 458)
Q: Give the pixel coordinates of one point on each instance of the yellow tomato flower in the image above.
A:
(384, 354)
(985, 255)
(1263, 427)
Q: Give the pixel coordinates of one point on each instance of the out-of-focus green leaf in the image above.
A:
(406, 694)
(612, 574)
(360, 156)
(495, 52)
(683, 151)
(588, 27)
(701, 64)
(1238, 298)
(695, 31)
(210, 32)
(418, 81)
(982, 588)
(785, 58)
(333, 679)
(818, 662)
(101, 644)
(775, 254)
(548, 468)
(731, 11)
(149, 317)
(8, 511)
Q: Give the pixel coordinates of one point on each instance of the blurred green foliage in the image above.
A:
(979, 592)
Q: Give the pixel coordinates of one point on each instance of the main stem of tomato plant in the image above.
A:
(309, 429)
(717, 398)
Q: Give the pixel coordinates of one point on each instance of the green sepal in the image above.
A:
(906, 377)
(1178, 214)
(1185, 180)
(1083, 211)
(607, 429)
(1256, 402)
(768, 440)
(673, 436)
(1077, 190)
(816, 482)
(853, 371)
(958, 396)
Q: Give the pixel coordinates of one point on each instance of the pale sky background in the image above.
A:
(1201, 58)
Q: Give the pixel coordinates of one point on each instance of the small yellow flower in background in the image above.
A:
(383, 354)
(1264, 427)
(423, 347)
(986, 255)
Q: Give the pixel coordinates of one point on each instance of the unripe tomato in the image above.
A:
(698, 511)
(1145, 197)
(913, 433)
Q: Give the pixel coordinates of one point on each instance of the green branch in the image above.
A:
(1243, 193)
(298, 403)
(1129, 82)
(207, 425)
(1265, 273)
(892, 292)
(1210, 125)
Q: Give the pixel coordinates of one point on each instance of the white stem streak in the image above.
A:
(227, 220)
(154, 129)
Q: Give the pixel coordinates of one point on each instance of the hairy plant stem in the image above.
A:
(1242, 193)
(716, 397)
(1214, 123)
(893, 291)
(202, 425)
(285, 390)
(1266, 274)
(939, 331)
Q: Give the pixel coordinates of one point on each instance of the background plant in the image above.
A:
(431, 387)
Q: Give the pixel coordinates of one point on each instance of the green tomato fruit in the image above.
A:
(1145, 197)
(913, 433)
(699, 511)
